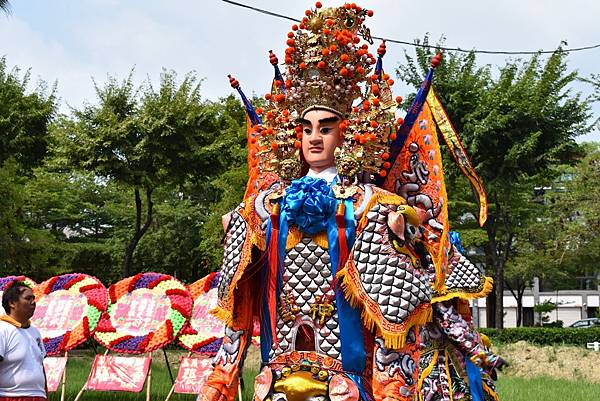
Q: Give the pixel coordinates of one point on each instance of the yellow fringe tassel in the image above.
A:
(394, 336)
(426, 373)
(487, 288)
(223, 315)
(490, 392)
(259, 241)
(440, 259)
(381, 198)
(293, 238)
(448, 374)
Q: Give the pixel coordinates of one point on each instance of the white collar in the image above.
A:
(329, 174)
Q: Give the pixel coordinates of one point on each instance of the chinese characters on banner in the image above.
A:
(192, 374)
(206, 324)
(118, 373)
(54, 368)
(59, 312)
(140, 312)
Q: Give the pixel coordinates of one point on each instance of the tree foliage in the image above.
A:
(560, 243)
(594, 81)
(24, 118)
(578, 226)
(515, 125)
(147, 138)
(78, 192)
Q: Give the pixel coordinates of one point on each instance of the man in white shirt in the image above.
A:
(22, 351)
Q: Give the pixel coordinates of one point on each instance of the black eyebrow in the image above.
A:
(327, 120)
(304, 121)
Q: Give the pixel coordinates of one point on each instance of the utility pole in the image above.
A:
(536, 300)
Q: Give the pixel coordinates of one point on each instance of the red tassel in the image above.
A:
(341, 223)
(343, 251)
(273, 270)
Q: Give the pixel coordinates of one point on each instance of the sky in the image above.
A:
(73, 42)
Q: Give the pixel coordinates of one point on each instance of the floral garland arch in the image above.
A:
(68, 309)
(7, 281)
(204, 332)
(145, 313)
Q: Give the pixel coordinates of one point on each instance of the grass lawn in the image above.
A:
(78, 369)
(510, 388)
(546, 389)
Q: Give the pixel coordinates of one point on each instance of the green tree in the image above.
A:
(594, 81)
(23, 249)
(82, 214)
(227, 188)
(578, 232)
(146, 138)
(534, 250)
(543, 310)
(24, 118)
(514, 127)
(11, 202)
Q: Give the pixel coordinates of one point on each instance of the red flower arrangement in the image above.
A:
(145, 313)
(203, 334)
(77, 322)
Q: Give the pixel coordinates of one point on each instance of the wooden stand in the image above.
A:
(52, 363)
(172, 390)
(63, 382)
(148, 382)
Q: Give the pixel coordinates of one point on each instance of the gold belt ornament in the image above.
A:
(300, 385)
(303, 375)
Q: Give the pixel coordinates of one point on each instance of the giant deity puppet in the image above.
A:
(341, 249)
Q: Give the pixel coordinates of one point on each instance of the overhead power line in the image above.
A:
(402, 42)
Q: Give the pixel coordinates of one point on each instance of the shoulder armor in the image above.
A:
(244, 232)
(236, 237)
(464, 280)
(384, 280)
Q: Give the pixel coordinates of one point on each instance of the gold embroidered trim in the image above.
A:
(426, 373)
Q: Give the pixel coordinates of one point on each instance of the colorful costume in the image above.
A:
(455, 362)
(340, 274)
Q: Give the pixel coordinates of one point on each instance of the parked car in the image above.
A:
(585, 323)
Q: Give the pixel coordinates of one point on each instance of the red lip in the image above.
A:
(315, 149)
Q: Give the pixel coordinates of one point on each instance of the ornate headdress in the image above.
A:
(329, 68)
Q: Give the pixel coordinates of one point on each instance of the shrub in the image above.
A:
(544, 335)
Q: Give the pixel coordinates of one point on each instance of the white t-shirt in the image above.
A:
(22, 366)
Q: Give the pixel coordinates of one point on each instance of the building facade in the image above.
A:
(571, 306)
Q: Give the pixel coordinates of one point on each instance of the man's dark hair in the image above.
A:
(12, 294)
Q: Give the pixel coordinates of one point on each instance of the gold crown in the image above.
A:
(325, 61)
(327, 68)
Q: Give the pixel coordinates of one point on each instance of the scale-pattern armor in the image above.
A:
(388, 277)
(464, 275)
(307, 275)
(234, 241)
